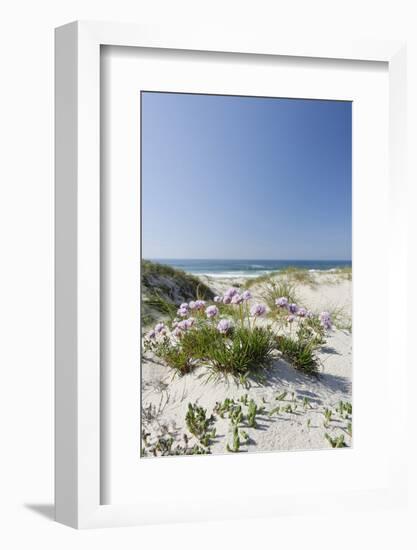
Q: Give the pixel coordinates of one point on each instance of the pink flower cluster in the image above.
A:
(257, 310)
(224, 326)
(232, 296)
(185, 308)
(325, 320)
(182, 326)
(295, 311)
(159, 330)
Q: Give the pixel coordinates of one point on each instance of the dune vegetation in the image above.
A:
(247, 335)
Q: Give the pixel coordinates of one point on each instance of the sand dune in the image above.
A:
(304, 427)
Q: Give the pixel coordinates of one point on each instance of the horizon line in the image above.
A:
(258, 259)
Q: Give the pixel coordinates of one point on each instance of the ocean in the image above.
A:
(249, 268)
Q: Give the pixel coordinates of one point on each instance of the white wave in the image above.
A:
(230, 274)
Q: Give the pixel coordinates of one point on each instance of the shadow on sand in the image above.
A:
(281, 373)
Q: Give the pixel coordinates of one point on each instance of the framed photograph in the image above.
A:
(228, 221)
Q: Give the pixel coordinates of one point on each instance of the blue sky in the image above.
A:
(230, 177)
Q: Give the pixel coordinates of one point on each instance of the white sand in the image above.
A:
(303, 429)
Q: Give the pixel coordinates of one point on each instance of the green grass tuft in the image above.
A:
(299, 352)
(277, 289)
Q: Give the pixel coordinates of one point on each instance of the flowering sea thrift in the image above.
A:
(199, 304)
(224, 326)
(325, 320)
(185, 325)
(159, 328)
(230, 292)
(237, 299)
(212, 311)
(302, 312)
(217, 299)
(291, 318)
(282, 302)
(183, 312)
(292, 308)
(257, 310)
(246, 295)
(151, 334)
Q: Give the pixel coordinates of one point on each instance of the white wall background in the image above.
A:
(26, 268)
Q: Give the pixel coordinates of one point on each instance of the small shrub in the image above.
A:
(336, 442)
(165, 446)
(236, 441)
(253, 410)
(199, 425)
(327, 417)
(236, 415)
(225, 407)
(345, 409)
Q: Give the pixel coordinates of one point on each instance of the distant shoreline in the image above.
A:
(246, 268)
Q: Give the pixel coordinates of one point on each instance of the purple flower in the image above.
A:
(160, 327)
(230, 292)
(302, 312)
(227, 299)
(177, 332)
(182, 312)
(224, 326)
(200, 304)
(237, 299)
(257, 310)
(151, 334)
(291, 318)
(246, 295)
(192, 305)
(292, 308)
(184, 306)
(282, 302)
(186, 324)
(325, 320)
(212, 311)
(217, 299)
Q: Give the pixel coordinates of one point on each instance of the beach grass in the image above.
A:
(164, 288)
(244, 352)
(260, 279)
(275, 289)
(190, 285)
(299, 352)
(299, 275)
(344, 273)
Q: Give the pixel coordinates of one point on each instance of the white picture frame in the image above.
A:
(78, 406)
